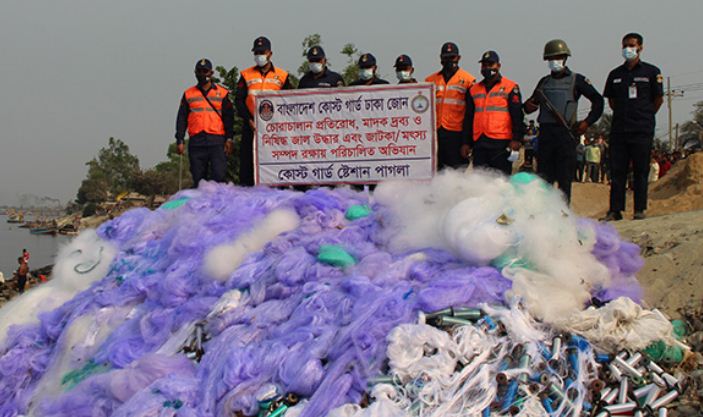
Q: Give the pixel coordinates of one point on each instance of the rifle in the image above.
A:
(557, 115)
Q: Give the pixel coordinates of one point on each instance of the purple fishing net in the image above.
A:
(312, 329)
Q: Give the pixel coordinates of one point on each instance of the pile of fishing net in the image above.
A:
(253, 301)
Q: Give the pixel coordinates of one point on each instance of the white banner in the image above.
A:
(351, 135)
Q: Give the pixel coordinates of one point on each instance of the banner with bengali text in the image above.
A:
(349, 135)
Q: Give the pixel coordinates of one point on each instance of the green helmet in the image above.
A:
(556, 47)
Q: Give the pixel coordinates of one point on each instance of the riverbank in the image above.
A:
(13, 239)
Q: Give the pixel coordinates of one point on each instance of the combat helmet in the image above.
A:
(554, 48)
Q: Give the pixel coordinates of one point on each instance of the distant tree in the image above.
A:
(111, 172)
(118, 164)
(95, 187)
(152, 182)
(660, 145)
(89, 209)
(293, 80)
(351, 71)
(228, 79)
(694, 127)
(169, 170)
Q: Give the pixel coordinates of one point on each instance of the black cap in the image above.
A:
(261, 44)
(316, 53)
(490, 56)
(367, 61)
(403, 61)
(450, 49)
(203, 64)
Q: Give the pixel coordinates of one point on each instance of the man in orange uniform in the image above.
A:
(452, 86)
(208, 115)
(495, 110)
(261, 77)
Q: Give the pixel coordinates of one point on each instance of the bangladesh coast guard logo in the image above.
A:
(266, 110)
(420, 103)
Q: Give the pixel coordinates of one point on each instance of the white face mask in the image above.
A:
(366, 73)
(555, 65)
(629, 53)
(261, 60)
(403, 75)
(316, 67)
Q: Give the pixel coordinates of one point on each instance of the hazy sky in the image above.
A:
(75, 72)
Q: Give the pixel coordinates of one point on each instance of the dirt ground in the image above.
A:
(671, 237)
(672, 246)
(680, 190)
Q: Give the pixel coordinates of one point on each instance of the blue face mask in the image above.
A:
(629, 53)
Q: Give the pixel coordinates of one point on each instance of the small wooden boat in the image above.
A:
(43, 230)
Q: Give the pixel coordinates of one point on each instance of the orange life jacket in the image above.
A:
(202, 117)
(451, 98)
(491, 116)
(273, 80)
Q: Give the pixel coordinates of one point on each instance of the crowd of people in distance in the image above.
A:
(592, 158)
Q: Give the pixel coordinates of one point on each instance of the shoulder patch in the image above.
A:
(660, 78)
(587, 80)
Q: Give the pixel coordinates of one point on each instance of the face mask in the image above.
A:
(202, 79)
(488, 73)
(316, 67)
(261, 60)
(403, 75)
(449, 65)
(514, 155)
(629, 53)
(555, 65)
(366, 73)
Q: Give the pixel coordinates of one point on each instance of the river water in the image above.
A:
(42, 248)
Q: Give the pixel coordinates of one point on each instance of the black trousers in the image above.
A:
(594, 171)
(529, 156)
(580, 169)
(207, 163)
(633, 149)
(556, 157)
(246, 157)
(449, 149)
(21, 282)
(493, 154)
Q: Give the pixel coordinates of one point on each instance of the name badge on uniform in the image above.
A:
(632, 91)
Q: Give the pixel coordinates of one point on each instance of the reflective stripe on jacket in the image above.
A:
(202, 117)
(451, 98)
(491, 114)
(273, 80)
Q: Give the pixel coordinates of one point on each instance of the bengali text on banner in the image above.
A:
(359, 135)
